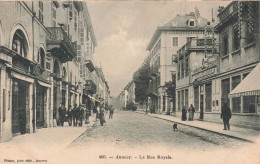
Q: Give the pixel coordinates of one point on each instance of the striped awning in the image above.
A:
(250, 86)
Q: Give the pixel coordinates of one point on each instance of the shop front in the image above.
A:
(22, 93)
(20, 106)
(247, 94)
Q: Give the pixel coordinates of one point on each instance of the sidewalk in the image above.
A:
(46, 142)
(249, 135)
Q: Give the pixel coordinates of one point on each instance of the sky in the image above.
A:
(123, 30)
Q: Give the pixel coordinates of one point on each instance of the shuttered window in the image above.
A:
(41, 11)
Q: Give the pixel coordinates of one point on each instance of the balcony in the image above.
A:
(60, 45)
(227, 12)
(198, 44)
(89, 64)
(90, 87)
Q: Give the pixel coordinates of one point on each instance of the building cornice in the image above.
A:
(89, 23)
(160, 29)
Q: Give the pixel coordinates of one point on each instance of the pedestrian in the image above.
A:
(54, 118)
(184, 114)
(102, 116)
(69, 113)
(61, 115)
(74, 115)
(111, 112)
(135, 107)
(88, 113)
(226, 116)
(80, 115)
(191, 112)
(97, 112)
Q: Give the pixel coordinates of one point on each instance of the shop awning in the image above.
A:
(250, 86)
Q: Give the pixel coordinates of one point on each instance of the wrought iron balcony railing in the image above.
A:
(60, 44)
(90, 87)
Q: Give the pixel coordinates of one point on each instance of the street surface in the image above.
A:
(127, 138)
(133, 130)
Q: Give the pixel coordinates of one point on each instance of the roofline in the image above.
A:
(89, 23)
(160, 29)
(225, 8)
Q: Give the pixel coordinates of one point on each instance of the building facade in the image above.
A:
(163, 48)
(211, 78)
(40, 62)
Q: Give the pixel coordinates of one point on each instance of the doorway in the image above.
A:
(40, 105)
(20, 103)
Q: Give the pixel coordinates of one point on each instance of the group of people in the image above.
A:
(225, 115)
(74, 116)
(191, 111)
(100, 113)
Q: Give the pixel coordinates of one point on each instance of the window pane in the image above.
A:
(236, 105)
(249, 104)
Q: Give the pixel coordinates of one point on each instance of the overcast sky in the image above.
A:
(123, 30)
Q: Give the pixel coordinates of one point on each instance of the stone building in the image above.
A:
(238, 31)
(163, 47)
(40, 62)
(227, 75)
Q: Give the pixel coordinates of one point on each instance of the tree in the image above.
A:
(141, 81)
(170, 89)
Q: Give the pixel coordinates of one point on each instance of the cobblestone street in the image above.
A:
(129, 129)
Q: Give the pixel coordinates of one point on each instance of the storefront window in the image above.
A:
(236, 101)
(208, 97)
(236, 105)
(249, 104)
(225, 88)
(196, 98)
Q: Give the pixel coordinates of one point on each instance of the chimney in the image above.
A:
(197, 13)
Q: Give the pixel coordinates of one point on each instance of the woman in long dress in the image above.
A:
(102, 116)
(191, 112)
(184, 114)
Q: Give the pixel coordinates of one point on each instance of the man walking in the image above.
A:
(225, 115)
(69, 113)
(61, 114)
(111, 112)
(80, 115)
(74, 115)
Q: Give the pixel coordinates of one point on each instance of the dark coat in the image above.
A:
(184, 114)
(61, 113)
(69, 113)
(225, 112)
